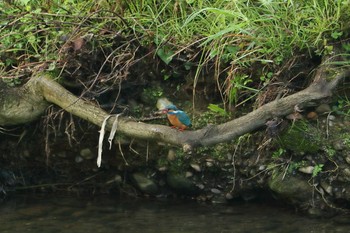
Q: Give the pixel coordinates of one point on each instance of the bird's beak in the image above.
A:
(161, 111)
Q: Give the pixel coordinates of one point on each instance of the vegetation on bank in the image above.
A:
(247, 44)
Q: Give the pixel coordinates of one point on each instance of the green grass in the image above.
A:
(228, 36)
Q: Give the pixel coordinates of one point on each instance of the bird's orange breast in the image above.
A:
(175, 121)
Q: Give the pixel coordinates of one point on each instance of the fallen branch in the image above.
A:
(44, 88)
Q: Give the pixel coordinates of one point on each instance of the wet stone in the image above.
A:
(346, 172)
(215, 191)
(338, 145)
(86, 153)
(229, 196)
(306, 170)
(181, 184)
(347, 159)
(61, 154)
(188, 174)
(78, 159)
(171, 155)
(196, 167)
(323, 108)
(144, 183)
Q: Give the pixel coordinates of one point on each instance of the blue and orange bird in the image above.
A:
(178, 118)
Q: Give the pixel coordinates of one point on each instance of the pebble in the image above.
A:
(322, 108)
(331, 117)
(307, 170)
(26, 153)
(78, 159)
(181, 184)
(229, 196)
(346, 172)
(171, 155)
(294, 116)
(145, 184)
(196, 167)
(312, 116)
(62, 154)
(215, 191)
(338, 145)
(209, 164)
(163, 169)
(347, 159)
(86, 153)
(328, 188)
(188, 174)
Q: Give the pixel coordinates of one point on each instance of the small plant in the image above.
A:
(317, 170)
(152, 94)
(215, 108)
(330, 152)
(279, 153)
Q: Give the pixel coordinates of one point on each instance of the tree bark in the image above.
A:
(32, 99)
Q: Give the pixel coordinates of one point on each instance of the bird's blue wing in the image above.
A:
(183, 118)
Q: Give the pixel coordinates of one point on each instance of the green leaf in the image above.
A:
(336, 35)
(165, 54)
(317, 170)
(217, 109)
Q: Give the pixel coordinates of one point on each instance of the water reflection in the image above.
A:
(106, 214)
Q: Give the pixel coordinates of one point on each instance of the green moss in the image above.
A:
(302, 137)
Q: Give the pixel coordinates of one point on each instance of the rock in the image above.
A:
(215, 191)
(294, 116)
(86, 153)
(315, 212)
(163, 169)
(171, 155)
(331, 117)
(323, 108)
(346, 172)
(201, 186)
(312, 116)
(145, 184)
(209, 164)
(218, 199)
(181, 184)
(338, 145)
(26, 153)
(229, 196)
(196, 167)
(78, 159)
(292, 188)
(248, 195)
(347, 159)
(188, 174)
(307, 170)
(61, 154)
(116, 179)
(327, 188)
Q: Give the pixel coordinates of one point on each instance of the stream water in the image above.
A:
(107, 214)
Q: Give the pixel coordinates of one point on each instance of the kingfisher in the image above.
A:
(178, 118)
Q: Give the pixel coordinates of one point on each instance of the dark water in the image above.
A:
(107, 214)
